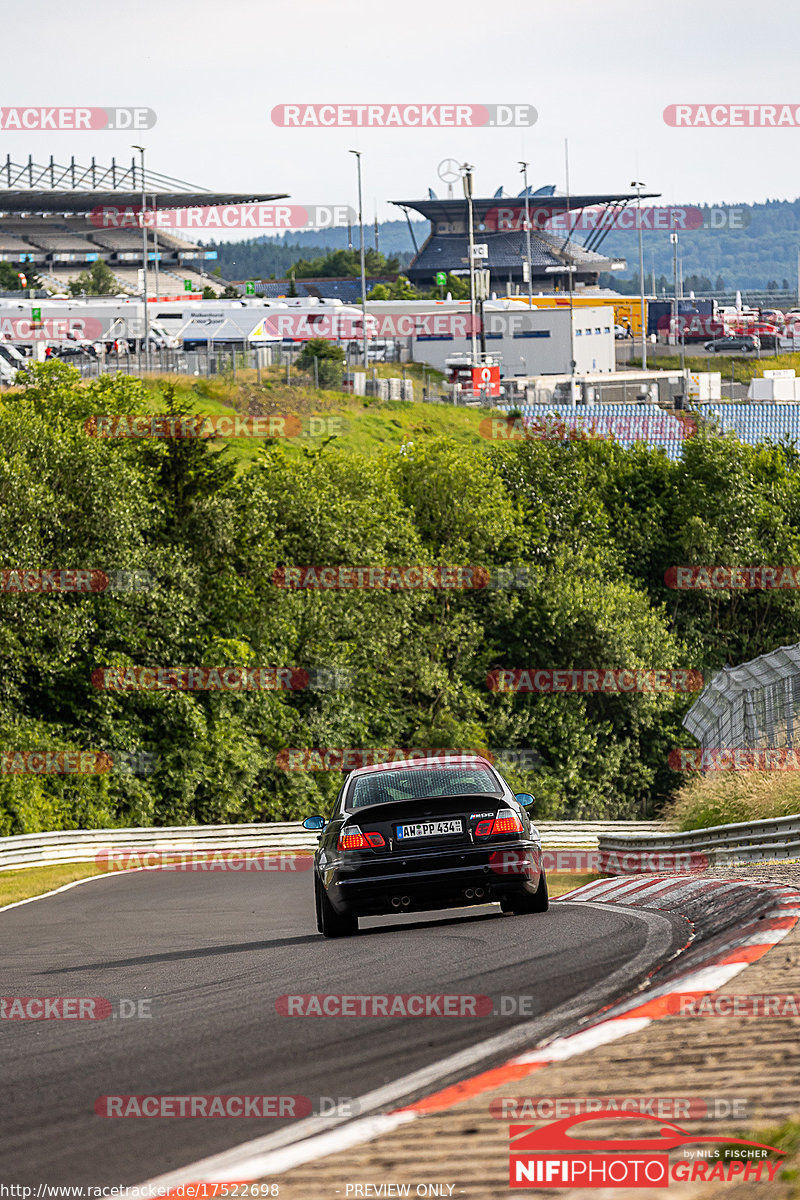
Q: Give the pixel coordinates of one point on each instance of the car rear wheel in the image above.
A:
(520, 903)
(330, 923)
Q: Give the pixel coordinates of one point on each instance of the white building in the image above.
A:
(526, 341)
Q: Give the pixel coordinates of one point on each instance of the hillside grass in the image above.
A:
(744, 368)
(367, 425)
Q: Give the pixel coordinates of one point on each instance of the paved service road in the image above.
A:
(212, 952)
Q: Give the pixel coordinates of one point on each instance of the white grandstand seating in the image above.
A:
(118, 239)
(177, 276)
(11, 243)
(170, 283)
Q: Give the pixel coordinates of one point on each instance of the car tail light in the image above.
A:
(505, 821)
(352, 838)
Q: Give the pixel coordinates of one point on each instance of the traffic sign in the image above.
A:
(441, 278)
(187, 285)
(250, 289)
(480, 250)
(36, 314)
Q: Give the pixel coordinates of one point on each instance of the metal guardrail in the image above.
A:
(740, 842)
(84, 845)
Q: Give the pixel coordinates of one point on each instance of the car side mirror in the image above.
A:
(525, 799)
(314, 823)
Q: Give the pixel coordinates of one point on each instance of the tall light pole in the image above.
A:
(524, 166)
(361, 251)
(466, 179)
(643, 319)
(155, 241)
(144, 266)
(571, 269)
(673, 237)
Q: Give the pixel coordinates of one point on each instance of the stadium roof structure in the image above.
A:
(53, 187)
(455, 207)
(446, 248)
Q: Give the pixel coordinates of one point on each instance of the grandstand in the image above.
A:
(45, 222)
(499, 223)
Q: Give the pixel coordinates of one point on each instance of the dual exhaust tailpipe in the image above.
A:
(401, 901)
(477, 893)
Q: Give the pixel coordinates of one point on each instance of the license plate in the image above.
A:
(428, 829)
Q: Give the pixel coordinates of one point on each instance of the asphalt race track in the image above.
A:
(212, 952)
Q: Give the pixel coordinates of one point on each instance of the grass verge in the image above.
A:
(723, 797)
(742, 370)
(34, 881)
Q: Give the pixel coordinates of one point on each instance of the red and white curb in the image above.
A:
(730, 955)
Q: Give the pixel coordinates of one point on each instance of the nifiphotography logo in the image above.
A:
(549, 1157)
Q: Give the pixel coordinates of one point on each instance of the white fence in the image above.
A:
(84, 845)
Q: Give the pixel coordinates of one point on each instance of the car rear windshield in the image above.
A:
(417, 783)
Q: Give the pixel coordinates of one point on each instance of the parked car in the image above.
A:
(734, 341)
(768, 335)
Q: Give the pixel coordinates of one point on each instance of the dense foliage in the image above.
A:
(597, 525)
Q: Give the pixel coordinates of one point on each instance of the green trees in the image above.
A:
(342, 263)
(593, 529)
(10, 280)
(97, 281)
(330, 361)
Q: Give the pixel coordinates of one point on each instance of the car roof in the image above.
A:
(432, 760)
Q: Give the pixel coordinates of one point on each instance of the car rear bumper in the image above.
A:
(372, 885)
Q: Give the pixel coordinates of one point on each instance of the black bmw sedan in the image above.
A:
(428, 833)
